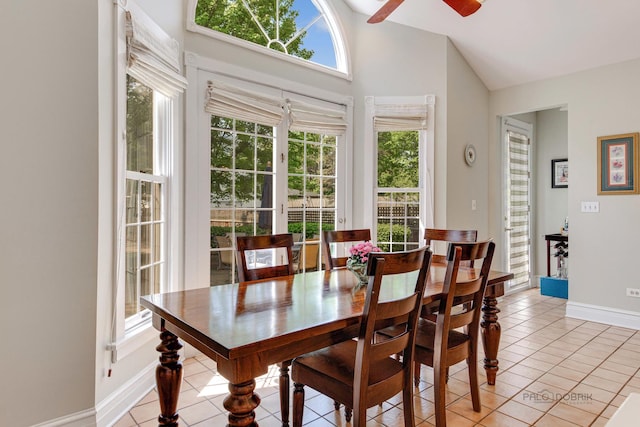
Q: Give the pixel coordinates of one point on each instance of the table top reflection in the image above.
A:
(238, 320)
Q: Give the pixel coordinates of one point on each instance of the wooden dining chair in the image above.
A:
(340, 237)
(432, 235)
(276, 242)
(453, 337)
(245, 244)
(363, 373)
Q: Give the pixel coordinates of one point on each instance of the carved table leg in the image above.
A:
(284, 392)
(490, 329)
(241, 403)
(168, 379)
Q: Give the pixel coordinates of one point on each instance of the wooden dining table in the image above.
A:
(249, 326)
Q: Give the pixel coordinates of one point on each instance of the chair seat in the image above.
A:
(425, 336)
(335, 366)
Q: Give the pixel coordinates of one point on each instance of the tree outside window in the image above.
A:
(293, 27)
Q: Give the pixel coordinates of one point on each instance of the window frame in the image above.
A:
(426, 156)
(127, 335)
(162, 108)
(341, 48)
(201, 70)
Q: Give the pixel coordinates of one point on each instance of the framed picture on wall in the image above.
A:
(618, 164)
(559, 173)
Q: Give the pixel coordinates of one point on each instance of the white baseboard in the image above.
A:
(111, 409)
(116, 405)
(606, 315)
(79, 419)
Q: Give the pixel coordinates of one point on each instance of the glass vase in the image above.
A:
(359, 270)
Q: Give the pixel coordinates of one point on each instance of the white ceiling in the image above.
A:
(509, 42)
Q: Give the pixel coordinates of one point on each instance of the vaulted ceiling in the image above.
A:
(509, 42)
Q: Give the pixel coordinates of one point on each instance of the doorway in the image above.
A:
(516, 200)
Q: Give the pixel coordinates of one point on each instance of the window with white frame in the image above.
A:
(306, 31)
(148, 84)
(272, 151)
(398, 190)
(401, 130)
(146, 186)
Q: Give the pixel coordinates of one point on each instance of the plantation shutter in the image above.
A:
(153, 57)
(229, 101)
(518, 149)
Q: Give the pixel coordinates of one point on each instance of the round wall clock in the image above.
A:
(470, 154)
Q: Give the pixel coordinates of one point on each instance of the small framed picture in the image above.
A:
(618, 164)
(559, 173)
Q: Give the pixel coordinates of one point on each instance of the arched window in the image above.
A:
(303, 30)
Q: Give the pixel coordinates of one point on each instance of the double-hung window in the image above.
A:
(145, 195)
(401, 131)
(148, 85)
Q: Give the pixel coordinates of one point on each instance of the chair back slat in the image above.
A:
(395, 345)
(464, 289)
(461, 319)
(334, 237)
(282, 242)
(396, 308)
(433, 235)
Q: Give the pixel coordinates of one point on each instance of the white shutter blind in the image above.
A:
(152, 55)
(388, 118)
(518, 187)
(304, 117)
(229, 101)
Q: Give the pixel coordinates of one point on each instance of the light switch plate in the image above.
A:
(590, 207)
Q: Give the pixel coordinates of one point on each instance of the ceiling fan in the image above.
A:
(463, 7)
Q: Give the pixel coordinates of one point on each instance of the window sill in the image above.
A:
(132, 341)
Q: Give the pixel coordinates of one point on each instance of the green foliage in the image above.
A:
(252, 148)
(232, 18)
(398, 157)
(397, 233)
(312, 228)
(139, 126)
(320, 155)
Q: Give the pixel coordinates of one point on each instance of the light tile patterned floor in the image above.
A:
(554, 371)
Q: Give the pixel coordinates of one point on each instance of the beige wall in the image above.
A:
(466, 115)
(49, 167)
(603, 253)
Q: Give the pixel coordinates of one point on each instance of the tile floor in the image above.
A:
(554, 371)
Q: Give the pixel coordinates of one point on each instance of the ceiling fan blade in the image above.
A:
(384, 11)
(464, 7)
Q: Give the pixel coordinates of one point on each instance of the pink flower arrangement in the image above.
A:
(360, 252)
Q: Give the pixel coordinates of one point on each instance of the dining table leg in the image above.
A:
(168, 378)
(490, 330)
(241, 403)
(284, 392)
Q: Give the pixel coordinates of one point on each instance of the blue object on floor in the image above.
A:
(554, 287)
